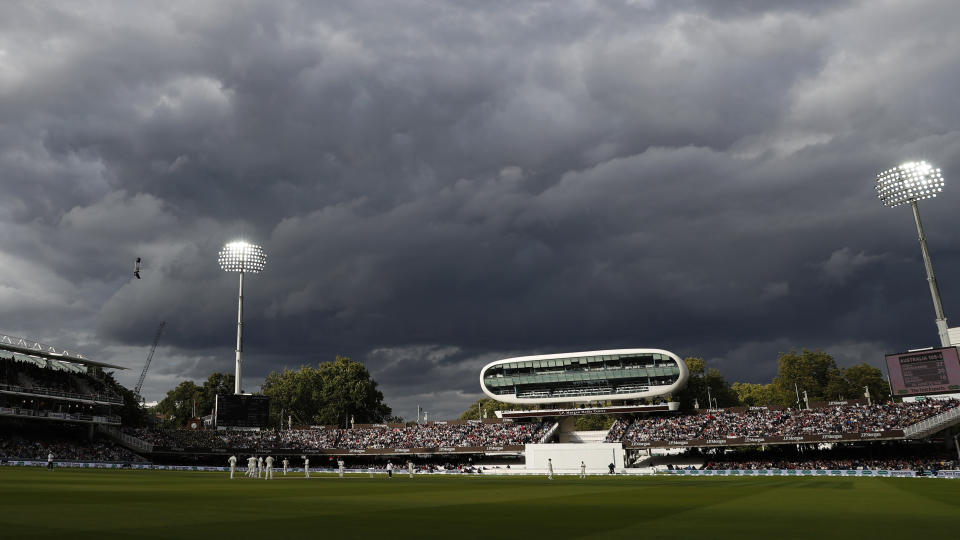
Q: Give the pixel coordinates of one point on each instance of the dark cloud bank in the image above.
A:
(440, 184)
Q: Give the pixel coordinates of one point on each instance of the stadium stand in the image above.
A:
(443, 435)
(182, 439)
(724, 428)
(33, 387)
(22, 441)
(745, 423)
(432, 435)
(26, 377)
(49, 401)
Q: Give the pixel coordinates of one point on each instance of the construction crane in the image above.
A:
(146, 365)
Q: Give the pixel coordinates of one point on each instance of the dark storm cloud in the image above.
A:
(439, 185)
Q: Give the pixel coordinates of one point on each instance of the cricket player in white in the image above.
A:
(389, 469)
(410, 468)
(251, 466)
(583, 470)
(286, 463)
(306, 466)
(549, 469)
(259, 466)
(340, 466)
(269, 475)
(233, 465)
(50, 461)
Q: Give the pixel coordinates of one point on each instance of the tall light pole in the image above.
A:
(241, 257)
(909, 183)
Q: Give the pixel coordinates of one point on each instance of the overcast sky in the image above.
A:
(442, 184)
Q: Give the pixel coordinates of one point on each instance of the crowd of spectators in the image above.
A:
(65, 444)
(773, 423)
(435, 435)
(308, 438)
(212, 439)
(416, 436)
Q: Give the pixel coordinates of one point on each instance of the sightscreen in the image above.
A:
(242, 411)
(924, 372)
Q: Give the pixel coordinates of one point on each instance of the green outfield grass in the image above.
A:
(74, 504)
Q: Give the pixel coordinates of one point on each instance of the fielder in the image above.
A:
(259, 466)
(389, 469)
(286, 463)
(583, 470)
(251, 466)
(340, 466)
(549, 469)
(269, 475)
(306, 467)
(233, 465)
(50, 461)
(410, 468)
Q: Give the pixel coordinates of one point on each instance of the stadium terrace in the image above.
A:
(78, 403)
(47, 386)
(825, 423)
(822, 423)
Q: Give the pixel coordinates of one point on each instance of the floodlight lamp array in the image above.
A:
(909, 182)
(242, 257)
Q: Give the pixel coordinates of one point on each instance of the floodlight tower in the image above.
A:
(909, 183)
(241, 257)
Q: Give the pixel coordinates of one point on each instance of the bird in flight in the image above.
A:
(136, 268)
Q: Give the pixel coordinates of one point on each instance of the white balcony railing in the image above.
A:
(932, 425)
(550, 433)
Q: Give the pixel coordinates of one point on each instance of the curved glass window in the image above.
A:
(582, 376)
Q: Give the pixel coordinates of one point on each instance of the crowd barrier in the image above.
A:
(876, 473)
(277, 470)
(881, 473)
(111, 465)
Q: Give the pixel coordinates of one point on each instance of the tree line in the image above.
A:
(815, 373)
(331, 393)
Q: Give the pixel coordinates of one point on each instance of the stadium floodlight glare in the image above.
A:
(909, 183)
(241, 257)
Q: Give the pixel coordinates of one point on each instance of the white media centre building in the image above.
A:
(613, 375)
(563, 380)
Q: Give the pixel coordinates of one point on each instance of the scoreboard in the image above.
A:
(932, 371)
(242, 410)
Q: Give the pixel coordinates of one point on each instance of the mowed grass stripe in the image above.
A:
(72, 504)
(822, 508)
